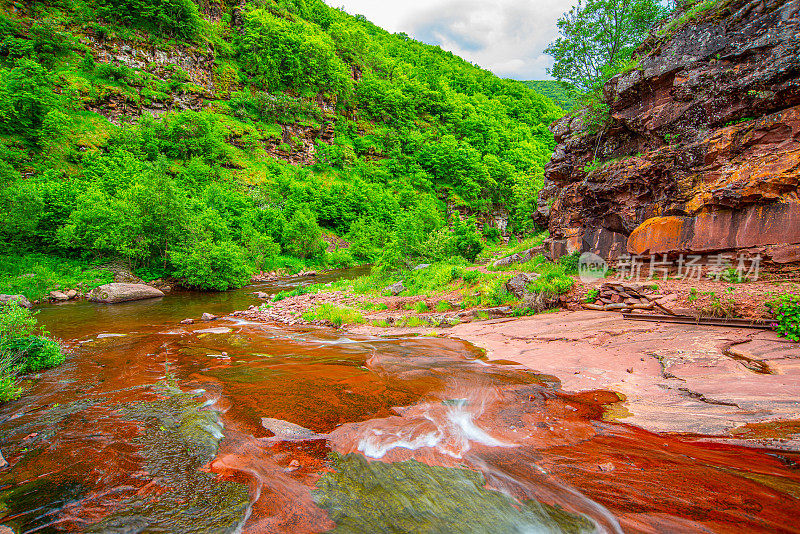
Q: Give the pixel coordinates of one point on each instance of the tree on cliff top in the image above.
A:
(598, 37)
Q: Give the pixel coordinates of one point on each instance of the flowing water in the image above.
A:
(230, 426)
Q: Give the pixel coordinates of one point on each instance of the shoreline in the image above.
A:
(708, 388)
(725, 384)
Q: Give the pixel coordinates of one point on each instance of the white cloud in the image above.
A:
(507, 37)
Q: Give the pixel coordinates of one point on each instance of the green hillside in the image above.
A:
(560, 93)
(207, 141)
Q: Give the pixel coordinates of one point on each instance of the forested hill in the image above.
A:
(208, 140)
(562, 94)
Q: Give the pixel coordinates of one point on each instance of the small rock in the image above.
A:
(630, 370)
(3, 463)
(294, 465)
(58, 296)
(517, 286)
(508, 260)
(606, 467)
(395, 289)
(187, 321)
(261, 295)
(208, 316)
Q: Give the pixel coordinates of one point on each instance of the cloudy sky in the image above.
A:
(507, 37)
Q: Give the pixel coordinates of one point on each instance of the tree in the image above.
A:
(598, 38)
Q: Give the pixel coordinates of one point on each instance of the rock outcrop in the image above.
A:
(25, 303)
(116, 292)
(700, 150)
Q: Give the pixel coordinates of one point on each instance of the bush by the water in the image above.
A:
(24, 348)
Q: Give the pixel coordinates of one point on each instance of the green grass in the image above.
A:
(35, 275)
(691, 14)
(443, 306)
(303, 290)
(552, 281)
(336, 315)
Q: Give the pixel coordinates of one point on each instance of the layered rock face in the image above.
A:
(701, 152)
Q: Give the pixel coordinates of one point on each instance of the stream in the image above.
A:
(232, 426)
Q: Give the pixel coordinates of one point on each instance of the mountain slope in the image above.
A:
(562, 95)
(177, 135)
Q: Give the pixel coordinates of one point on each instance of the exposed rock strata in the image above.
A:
(701, 152)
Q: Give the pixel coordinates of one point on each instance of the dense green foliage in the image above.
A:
(237, 184)
(598, 37)
(786, 309)
(561, 93)
(23, 348)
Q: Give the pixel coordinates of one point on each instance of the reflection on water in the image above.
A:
(162, 430)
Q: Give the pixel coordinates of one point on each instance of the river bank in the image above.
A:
(737, 385)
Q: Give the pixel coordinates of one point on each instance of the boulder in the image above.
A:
(71, 294)
(508, 260)
(117, 292)
(3, 463)
(517, 286)
(261, 295)
(5, 530)
(58, 296)
(187, 321)
(208, 316)
(422, 266)
(395, 289)
(25, 303)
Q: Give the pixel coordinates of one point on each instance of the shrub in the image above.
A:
(23, 348)
(211, 266)
(552, 281)
(340, 258)
(786, 309)
(570, 262)
(180, 18)
(302, 236)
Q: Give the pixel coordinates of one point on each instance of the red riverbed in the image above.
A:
(123, 437)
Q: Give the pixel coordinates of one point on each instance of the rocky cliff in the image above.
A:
(700, 149)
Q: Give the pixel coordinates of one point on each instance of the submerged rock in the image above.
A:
(25, 303)
(410, 496)
(117, 292)
(286, 431)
